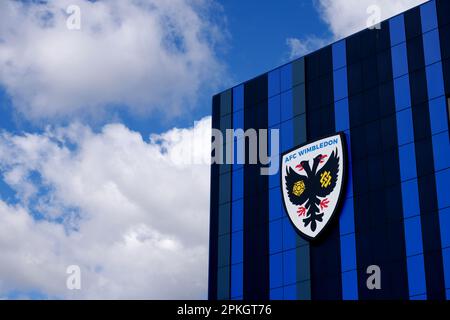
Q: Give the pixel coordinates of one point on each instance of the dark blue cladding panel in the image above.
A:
(214, 211)
(347, 218)
(376, 172)
(237, 204)
(256, 276)
(417, 60)
(325, 255)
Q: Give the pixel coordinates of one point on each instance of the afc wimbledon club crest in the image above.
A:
(312, 183)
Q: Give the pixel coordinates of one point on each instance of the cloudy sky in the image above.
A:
(104, 132)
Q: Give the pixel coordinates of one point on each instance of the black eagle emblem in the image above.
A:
(307, 191)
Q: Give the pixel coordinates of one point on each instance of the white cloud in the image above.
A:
(298, 48)
(132, 219)
(345, 17)
(146, 54)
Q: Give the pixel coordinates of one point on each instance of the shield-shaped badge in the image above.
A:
(312, 183)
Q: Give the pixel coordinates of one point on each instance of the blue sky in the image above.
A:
(258, 39)
(255, 43)
(104, 132)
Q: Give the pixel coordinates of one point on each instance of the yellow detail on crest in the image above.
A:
(325, 179)
(299, 188)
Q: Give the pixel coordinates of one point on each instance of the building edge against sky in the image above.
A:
(387, 89)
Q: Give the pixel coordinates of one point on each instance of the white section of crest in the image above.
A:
(333, 197)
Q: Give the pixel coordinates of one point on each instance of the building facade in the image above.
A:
(387, 90)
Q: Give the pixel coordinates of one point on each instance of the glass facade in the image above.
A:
(388, 90)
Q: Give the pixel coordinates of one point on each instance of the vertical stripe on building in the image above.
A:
(214, 210)
(423, 147)
(439, 130)
(256, 199)
(347, 217)
(440, 123)
(408, 172)
(300, 137)
(224, 220)
(237, 204)
(377, 196)
(325, 255)
(275, 205)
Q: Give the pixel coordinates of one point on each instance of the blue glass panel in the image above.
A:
(402, 93)
(274, 137)
(303, 259)
(444, 220)
(287, 137)
(341, 113)
(435, 80)
(290, 292)
(275, 236)
(286, 106)
(223, 283)
(237, 247)
(239, 158)
(289, 267)
(237, 220)
(340, 84)
(405, 128)
(347, 219)
(339, 55)
(416, 275)
(399, 60)
(274, 180)
(274, 82)
(348, 252)
(446, 260)
(397, 30)
(347, 223)
(224, 219)
(441, 151)
(413, 236)
(238, 184)
(442, 181)
(276, 294)
(224, 251)
(410, 195)
(238, 98)
(438, 115)
(408, 162)
(274, 110)
(224, 188)
(289, 235)
(286, 77)
(237, 280)
(428, 16)
(431, 47)
(275, 204)
(238, 120)
(276, 270)
(349, 191)
(350, 285)
(418, 298)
